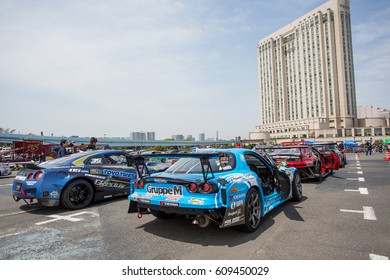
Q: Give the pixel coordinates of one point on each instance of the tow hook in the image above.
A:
(139, 215)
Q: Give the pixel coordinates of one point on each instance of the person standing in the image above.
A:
(92, 144)
(368, 148)
(62, 150)
(42, 157)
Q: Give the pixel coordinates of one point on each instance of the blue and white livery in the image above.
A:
(231, 187)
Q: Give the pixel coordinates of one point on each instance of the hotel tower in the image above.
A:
(306, 76)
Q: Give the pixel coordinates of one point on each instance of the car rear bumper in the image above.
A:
(170, 208)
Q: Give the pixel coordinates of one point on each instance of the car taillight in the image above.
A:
(139, 184)
(206, 188)
(193, 187)
(30, 176)
(38, 175)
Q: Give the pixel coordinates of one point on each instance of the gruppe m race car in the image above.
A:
(76, 180)
(310, 162)
(232, 187)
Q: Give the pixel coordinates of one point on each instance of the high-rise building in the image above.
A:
(151, 135)
(178, 137)
(137, 136)
(202, 137)
(306, 75)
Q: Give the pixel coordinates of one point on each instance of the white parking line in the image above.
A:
(360, 179)
(16, 213)
(368, 212)
(4, 186)
(378, 257)
(69, 218)
(356, 172)
(361, 190)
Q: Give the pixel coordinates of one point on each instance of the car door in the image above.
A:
(110, 177)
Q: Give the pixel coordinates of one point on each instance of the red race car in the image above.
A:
(310, 162)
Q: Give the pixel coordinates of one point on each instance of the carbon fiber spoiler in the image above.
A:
(138, 161)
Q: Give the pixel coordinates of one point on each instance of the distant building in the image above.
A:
(190, 138)
(306, 75)
(140, 136)
(202, 137)
(151, 136)
(372, 112)
(178, 137)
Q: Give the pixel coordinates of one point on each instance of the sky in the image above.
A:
(109, 68)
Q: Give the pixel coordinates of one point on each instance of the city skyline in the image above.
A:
(81, 68)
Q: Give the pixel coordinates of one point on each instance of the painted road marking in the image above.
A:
(5, 186)
(368, 212)
(356, 172)
(16, 213)
(378, 257)
(360, 179)
(361, 190)
(359, 168)
(70, 218)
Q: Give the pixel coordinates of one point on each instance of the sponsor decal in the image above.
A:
(196, 201)
(102, 183)
(143, 200)
(75, 170)
(237, 219)
(21, 178)
(118, 173)
(95, 171)
(172, 198)
(95, 176)
(31, 183)
(236, 204)
(54, 194)
(237, 196)
(107, 196)
(174, 191)
(234, 213)
(159, 180)
(234, 190)
(228, 222)
(222, 181)
(166, 203)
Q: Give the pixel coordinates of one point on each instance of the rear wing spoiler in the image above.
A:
(30, 165)
(138, 161)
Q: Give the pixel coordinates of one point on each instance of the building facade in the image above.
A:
(306, 76)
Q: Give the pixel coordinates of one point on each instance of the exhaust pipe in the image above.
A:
(201, 221)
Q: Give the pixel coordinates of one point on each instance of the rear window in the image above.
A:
(295, 152)
(222, 163)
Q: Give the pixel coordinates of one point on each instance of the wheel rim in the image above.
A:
(79, 194)
(254, 209)
(298, 185)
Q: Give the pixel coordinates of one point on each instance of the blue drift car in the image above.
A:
(76, 180)
(232, 187)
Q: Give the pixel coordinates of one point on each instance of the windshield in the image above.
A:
(193, 165)
(284, 152)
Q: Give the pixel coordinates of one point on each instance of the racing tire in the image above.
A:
(297, 187)
(78, 194)
(162, 215)
(252, 210)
